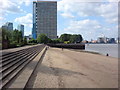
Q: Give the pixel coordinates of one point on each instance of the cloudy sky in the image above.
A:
(90, 18)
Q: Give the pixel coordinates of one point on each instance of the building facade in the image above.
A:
(111, 40)
(102, 40)
(21, 28)
(8, 26)
(45, 19)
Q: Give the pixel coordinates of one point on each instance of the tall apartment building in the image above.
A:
(45, 19)
(21, 28)
(8, 26)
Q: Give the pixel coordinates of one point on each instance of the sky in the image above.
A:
(90, 18)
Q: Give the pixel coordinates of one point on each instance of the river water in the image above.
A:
(111, 49)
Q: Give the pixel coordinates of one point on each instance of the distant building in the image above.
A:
(45, 19)
(106, 40)
(28, 37)
(4, 27)
(8, 26)
(111, 40)
(101, 39)
(21, 28)
(85, 41)
(94, 41)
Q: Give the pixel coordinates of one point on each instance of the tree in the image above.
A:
(17, 36)
(69, 38)
(4, 39)
(42, 38)
(65, 37)
(32, 41)
(6, 34)
(55, 41)
(25, 41)
(76, 38)
(11, 38)
(49, 40)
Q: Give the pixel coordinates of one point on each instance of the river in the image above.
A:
(111, 49)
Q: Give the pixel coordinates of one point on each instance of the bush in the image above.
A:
(25, 41)
(66, 42)
(32, 41)
(13, 44)
(42, 38)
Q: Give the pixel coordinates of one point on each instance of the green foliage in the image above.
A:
(49, 40)
(13, 44)
(65, 37)
(66, 42)
(69, 38)
(55, 41)
(17, 36)
(76, 38)
(25, 41)
(12, 38)
(32, 41)
(42, 38)
(6, 35)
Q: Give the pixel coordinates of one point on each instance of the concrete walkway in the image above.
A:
(71, 69)
(5, 51)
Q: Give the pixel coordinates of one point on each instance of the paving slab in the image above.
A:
(70, 69)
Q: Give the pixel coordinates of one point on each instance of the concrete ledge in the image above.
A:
(25, 75)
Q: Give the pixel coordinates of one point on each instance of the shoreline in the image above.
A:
(92, 52)
(104, 49)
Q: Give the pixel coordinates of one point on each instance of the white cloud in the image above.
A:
(109, 11)
(2, 18)
(25, 20)
(83, 25)
(7, 6)
(90, 29)
(26, 2)
(67, 15)
(113, 0)
(88, 1)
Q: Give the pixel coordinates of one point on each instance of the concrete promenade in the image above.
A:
(5, 51)
(71, 69)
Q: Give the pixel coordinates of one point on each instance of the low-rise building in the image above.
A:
(94, 41)
(85, 41)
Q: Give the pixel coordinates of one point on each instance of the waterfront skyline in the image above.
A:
(91, 20)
